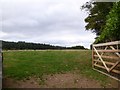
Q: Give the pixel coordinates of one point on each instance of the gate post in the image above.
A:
(92, 56)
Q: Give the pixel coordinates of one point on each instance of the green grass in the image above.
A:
(22, 64)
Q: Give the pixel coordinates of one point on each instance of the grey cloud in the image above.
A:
(46, 21)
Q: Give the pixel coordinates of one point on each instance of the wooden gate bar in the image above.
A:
(110, 61)
(106, 62)
(107, 74)
(115, 71)
(108, 57)
(108, 50)
(114, 65)
(107, 44)
(116, 52)
(101, 60)
(101, 53)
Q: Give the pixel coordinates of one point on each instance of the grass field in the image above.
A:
(22, 64)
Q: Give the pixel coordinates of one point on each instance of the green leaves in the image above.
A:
(111, 30)
(104, 20)
(97, 15)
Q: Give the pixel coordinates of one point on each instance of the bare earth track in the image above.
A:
(67, 80)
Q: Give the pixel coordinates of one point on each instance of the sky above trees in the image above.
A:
(57, 22)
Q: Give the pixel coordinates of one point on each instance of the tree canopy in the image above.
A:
(104, 20)
(97, 15)
(111, 31)
(21, 45)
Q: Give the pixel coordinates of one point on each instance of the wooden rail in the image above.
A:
(106, 62)
(107, 44)
(107, 56)
(108, 50)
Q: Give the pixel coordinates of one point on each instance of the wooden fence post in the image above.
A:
(92, 56)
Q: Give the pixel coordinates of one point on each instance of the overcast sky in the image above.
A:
(56, 22)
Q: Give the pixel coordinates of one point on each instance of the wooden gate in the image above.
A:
(106, 58)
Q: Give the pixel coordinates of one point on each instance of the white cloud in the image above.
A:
(2, 34)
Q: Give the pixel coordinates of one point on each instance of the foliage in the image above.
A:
(111, 31)
(76, 47)
(35, 46)
(97, 15)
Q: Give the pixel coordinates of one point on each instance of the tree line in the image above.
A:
(21, 45)
(103, 20)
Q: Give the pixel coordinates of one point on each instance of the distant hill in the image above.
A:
(21, 45)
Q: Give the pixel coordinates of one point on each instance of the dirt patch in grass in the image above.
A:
(11, 83)
(68, 80)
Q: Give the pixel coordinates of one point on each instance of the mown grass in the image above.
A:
(22, 64)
